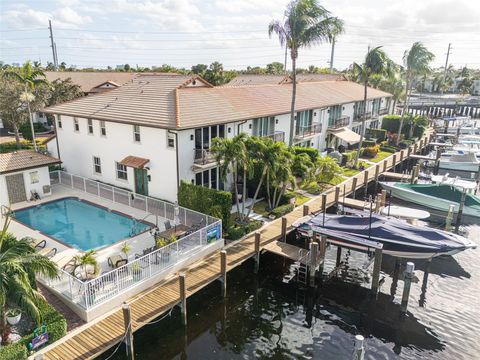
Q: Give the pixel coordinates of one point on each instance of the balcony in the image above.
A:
(359, 117)
(308, 131)
(276, 136)
(203, 158)
(340, 122)
(383, 111)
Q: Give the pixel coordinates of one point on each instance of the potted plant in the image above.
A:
(84, 261)
(136, 271)
(13, 316)
(126, 248)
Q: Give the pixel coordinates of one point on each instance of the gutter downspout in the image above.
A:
(238, 126)
(177, 125)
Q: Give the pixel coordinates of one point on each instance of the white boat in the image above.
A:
(437, 197)
(469, 186)
(460, 161)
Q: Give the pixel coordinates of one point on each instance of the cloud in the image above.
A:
(28, 18)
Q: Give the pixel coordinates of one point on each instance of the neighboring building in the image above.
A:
(251, 79)
(22, 174)
(157, 130)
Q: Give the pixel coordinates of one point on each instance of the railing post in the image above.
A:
(377, 173)
(385, 165)
(98, 189)
(337, 194)
(257, 252)
(394, 162)
(223, 270)
(71, 180)
(354, 186)
(324, 202)
(376, 270)
(117, 283)
(84, 186)
(306, 210)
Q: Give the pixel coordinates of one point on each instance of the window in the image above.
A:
(171, 142)
(121, 171)
(209, 178)
(204, 136)
(103, 129)
(90, 126)
(136, 133)
(263, 126)
(97, 166)
(34, 177)
(75, 125)
(59, 121)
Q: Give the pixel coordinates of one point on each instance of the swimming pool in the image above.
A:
(80, 224)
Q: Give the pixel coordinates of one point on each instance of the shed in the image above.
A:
(23, 174)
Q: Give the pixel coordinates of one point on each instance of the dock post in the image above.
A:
(223, 270)
(406, 287)
(183, 297)
(438, 154)
(394, 157)
(413, 174)
(377, 265)
(306, 210)
(415, 148)
(127, 321)
(257, 252)
(385, 165)
(365, 181)
(377, 173)
(359, 352)
(339, 256)
(322, 251)
(284, 229)
(449, 218)
(337, 195)
(460, 211)
(401, 160)
(354, 186)
(324, 203)
(313, 262)
(383, 196)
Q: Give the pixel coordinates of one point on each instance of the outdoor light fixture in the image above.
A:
(191, 137)
(149, 177)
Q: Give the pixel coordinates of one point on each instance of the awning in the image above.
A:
(346, 135)
(134, 162)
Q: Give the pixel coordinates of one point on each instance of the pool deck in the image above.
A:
(137, 243)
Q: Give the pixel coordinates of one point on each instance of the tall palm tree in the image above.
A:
(306, 23)
(376, 63)
(19, 263)
(281, 175)
(30, 77)
(416, 62)
(232, 155)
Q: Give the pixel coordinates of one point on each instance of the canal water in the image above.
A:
(262, 317)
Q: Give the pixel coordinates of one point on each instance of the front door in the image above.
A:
(141, 181)
(16, 188)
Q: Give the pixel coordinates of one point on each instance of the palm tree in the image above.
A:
(376, 63)
(416, 62)
(232, 155)
(30, 77)
(19, 263)
(281, 176)
(305, 23)
(87, 259)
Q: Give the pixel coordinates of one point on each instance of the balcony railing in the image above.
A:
(309, 130)
(340, 122)
(359, 117)
(276, 136)
(203, 157)
(383, 111)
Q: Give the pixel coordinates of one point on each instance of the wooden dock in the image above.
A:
(396, 176)
(288, 251)
(96, 337)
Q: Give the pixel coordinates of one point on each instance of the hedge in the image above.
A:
(26, 130)
(369, 142)
(349, 157)
(56, 327)
(388, 148)
(282, 210)
(312, 152)
(11, 146)
(379, 134)
(391, 123)
(236, 232)
(208, 201)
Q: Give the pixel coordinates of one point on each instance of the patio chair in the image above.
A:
(36, 244)
(68, 264)
(48, 252)
(168, 226)
(116, 261)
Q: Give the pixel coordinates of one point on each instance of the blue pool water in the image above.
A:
(80, 224)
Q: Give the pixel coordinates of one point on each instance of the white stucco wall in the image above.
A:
(43, 179)
(77, 150)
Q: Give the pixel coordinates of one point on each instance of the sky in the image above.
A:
(183, 33)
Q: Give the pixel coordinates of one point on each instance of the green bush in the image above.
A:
(405, 143)
(312, 152)
(313, 188)
(235, 232)
(26, 130)
(208, 201)
(391, 123)
(388, 148)
(369, 142)
(282, 210)
(349, 157)
(285, 199)
(16, 351)
(379, 134)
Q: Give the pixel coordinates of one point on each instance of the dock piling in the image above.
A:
(354, 186)
(306, 210)
(359, 351)
(409, 269)
(377, 265)
(183, 297)
(449, 218)
(337, 195)
(394, 163)
(377, 173)
(313, 262)
(127, 320)
(339, 256)
(223, 270)
(322, 251)
(324, 203)
(365, 182)
(284, 229)
(257, 252)
(460, 211)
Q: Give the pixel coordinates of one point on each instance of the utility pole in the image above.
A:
(445, 70)
(53, 45)
(331, 55)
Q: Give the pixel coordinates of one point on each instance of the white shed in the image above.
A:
(22, 174)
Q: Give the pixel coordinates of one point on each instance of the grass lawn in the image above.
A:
(336, 180)
(260, 208)
(350, 172)
(380, 156)
(301, 199)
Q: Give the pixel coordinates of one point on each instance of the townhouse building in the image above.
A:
(157, 130)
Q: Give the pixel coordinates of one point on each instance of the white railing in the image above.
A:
(99, 290)
(148, 204)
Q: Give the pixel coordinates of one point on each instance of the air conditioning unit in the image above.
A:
(47, 189)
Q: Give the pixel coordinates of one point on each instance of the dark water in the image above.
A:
(264, 318)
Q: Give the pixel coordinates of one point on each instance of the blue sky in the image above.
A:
(186, 32)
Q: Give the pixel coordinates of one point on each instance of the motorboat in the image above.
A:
(460, 161)
(438, 197)
(469, 186)
(398, 237)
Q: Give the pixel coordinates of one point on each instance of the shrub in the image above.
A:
(391, 123)
(282, 210)
(285, 199)
(379, 134)
(237, 231)
(405, 143)
(26, 130)
(369, 142)
(312, 152)
(15, 351)
(388, 148)
(349, 158)
(208, 201)
(313, 188)
(371, 151)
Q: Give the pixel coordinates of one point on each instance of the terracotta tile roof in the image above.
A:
(182, 101)
(251, 79)
(88, 81)
(320, 77)
(24, 159)
(134, 162)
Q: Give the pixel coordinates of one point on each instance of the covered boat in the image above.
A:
(437, 197)
(399, 238)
